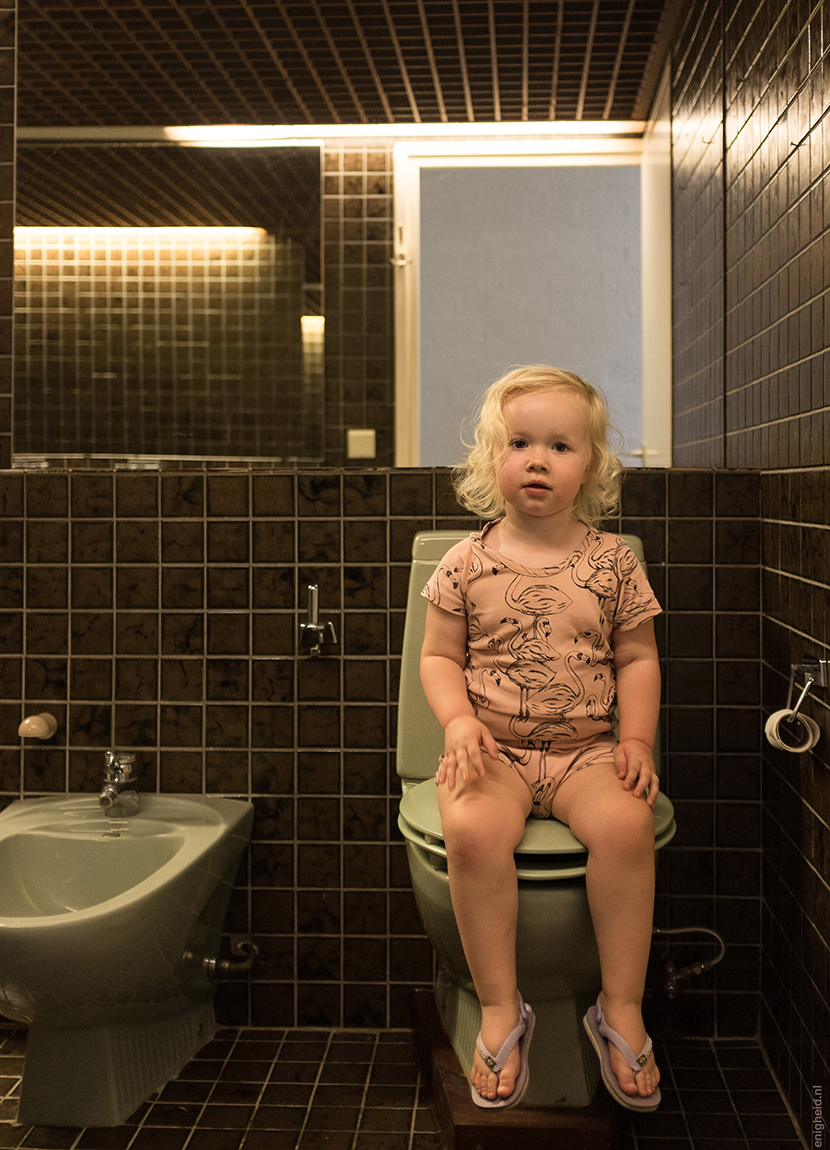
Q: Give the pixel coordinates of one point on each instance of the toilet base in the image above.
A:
(463, 1126)
(99, 1075)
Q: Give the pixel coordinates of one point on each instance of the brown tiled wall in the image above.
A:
(752, 389)
(160, 613)
(357, 238)
(7, 137)
(697, 239)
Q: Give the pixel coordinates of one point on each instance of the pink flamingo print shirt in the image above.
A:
(540, 666)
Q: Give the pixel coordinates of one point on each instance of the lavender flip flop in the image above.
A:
(601, 1034)
(522, 1033)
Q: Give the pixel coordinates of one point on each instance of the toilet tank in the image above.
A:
(420, 740)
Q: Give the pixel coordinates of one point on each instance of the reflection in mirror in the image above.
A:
(168, 305)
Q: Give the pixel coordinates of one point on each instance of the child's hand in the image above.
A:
(464, 740)
(635, 766)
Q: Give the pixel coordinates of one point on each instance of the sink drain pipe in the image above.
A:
(244, 953)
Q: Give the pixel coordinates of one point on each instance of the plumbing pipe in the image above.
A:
(674, 976)
(244, 947)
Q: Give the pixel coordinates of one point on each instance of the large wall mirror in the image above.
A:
(169, 304)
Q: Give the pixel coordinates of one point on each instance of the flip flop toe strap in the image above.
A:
(636, 1062)
(495, 1064)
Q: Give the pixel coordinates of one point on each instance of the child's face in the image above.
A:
(548, 453)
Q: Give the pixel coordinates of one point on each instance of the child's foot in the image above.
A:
(628, 1023)
(496, 1025)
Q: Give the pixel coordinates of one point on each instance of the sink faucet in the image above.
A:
(119, 797)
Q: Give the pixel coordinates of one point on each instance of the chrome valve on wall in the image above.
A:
(312, 633)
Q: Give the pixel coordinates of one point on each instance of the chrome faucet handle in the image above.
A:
(119, 763)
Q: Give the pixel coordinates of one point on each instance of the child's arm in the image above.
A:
(638, 698)
(443, 658)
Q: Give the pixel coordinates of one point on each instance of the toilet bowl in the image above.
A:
(558, 962)
(109, 931)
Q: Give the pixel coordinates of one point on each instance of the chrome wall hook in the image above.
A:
(312, 633)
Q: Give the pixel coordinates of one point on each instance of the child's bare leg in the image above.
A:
(483, 822)
(619, 833)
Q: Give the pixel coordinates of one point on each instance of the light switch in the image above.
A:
(361, 443)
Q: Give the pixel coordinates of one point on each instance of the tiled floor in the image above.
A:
(360, 1090)
(716, 1096)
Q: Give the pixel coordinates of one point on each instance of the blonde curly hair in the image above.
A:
(476, 480)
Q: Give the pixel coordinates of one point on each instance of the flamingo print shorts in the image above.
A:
(545, 771)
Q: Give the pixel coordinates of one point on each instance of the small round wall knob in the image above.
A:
(42, 726)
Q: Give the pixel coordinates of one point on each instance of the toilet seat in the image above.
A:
(548, 852)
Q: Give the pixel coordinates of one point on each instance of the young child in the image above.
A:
(536, 627)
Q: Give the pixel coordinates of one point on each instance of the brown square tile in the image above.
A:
(271, 772)
(182, 542)
(318, 495)
(11, 496)
(227, 495)
(91, 587)
(227, 726)
(47, 634)
(319, 541)
(91, 495)
(11, 677)
(11, 631)
(181, 726)
(136, 587)
(273, 541)
(272, 726)
(136, 633)
(91, 678)
(46, 678)
(136, 541)
(135, 725)
(136, 495)
(90, 724)
(182, 680)
(274, 494)
(182, 587)
(227, 679)
(47, 496)
(181, 771)
(227, 634)
(182, 633)
(44, 769)
(136, 679)
(92, 633)
(11, 541)
(11, 588)
(91, 541)
(227, 587)
(273, 587)
(227, 542)
(182, 495)
(46, 587)
(226, 771)
(47, 542)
